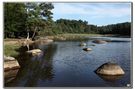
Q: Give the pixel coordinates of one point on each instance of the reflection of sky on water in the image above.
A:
(66, 64)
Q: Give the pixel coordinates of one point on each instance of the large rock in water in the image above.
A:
(10, 63)
(110, 69)
(34, 52)
(11, 68)
(99, 41)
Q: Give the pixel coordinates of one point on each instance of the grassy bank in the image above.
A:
(11, 45)
(72, 36)
(10, 48)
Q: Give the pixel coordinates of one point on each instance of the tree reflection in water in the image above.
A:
(35, 68)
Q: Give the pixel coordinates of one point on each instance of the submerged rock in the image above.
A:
(34, 51)
(110, 78)
(83, 44)
(99, 41)
(92, 45)
(110, 69)
(87, 49)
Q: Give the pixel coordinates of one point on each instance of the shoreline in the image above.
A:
(11, 44)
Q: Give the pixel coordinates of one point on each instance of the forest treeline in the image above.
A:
(36, 19)
(79, 26)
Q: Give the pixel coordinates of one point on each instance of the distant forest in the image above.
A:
(35, 19)
(79, 26)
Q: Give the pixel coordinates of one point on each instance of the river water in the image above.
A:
(65, 64)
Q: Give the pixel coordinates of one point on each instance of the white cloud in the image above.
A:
(63, 8)
(93, 10)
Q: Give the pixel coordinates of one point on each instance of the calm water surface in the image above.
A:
(65, 64)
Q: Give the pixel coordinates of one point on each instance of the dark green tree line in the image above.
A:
(75, 26)
(79, 26)
(119, 28)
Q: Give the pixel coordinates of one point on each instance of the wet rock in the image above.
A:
(34, 52)
(10, 75)
(99, 41)
(10, 63)
(11, 68)
(110, 69)
(83, 44)
(87, 49)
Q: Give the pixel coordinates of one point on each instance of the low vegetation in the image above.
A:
(10, 49)
(72, 36)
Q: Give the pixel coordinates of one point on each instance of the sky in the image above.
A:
(95, 13)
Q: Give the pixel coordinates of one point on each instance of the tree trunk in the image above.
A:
(26, 42)
(28, 35)
(34, 33)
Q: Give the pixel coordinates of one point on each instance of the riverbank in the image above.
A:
(11, 45)
(64, 37)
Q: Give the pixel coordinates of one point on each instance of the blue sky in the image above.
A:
(95, 13)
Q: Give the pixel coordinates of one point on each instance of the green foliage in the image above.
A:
(14, 19)
(39, 17)
(75, 26)
(21, 18)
